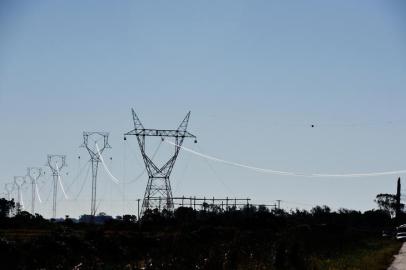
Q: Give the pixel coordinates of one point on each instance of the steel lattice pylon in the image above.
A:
(9, 187)
(34, 173)
(19, 181)
(90, 142)
(55, 163)
(158, 193)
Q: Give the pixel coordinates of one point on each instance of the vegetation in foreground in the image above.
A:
(250, 238)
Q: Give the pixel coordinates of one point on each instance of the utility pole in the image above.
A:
(91, 141)
(159, 186)
(19, 181)
(55, 163)
(34, 173)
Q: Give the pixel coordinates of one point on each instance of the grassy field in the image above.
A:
(371, 255)
(244, 239)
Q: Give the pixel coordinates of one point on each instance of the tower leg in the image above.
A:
(19, 197)
(54, 195)
(158, 189)
(147, 195)
(95, 164)
(33, 197)
(168, 191)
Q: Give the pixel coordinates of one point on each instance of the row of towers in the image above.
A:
(158, 192)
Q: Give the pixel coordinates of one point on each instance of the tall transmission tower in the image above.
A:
(159, 187)
(95, 143)
(55, 163)
(19, 181)
(9, 188)
(34, 173)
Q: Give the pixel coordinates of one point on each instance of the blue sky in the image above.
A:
(255, 74)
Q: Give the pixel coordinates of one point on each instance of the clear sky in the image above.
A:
(255, 74)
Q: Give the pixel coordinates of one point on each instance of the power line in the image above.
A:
(286, 173)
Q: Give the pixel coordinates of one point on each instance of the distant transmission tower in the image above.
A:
(95, 143)
(9, 187)
(55, 163)
(19, 181)
(158, 188)
(34, 173)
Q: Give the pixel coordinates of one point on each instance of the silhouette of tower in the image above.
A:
(9, 187)
(158, 188)
(19, 181)
(34, 174)
(55, 163)
(91, 141)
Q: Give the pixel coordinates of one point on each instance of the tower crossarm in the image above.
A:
(161, 133)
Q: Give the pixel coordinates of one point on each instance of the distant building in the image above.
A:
(100, 219)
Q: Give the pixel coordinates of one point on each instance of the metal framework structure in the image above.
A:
(55, 163)
(34, 173)
(90, 142)
(158, 186)
(213, 204)
(19, 181)
(9, 188)
(205, 203)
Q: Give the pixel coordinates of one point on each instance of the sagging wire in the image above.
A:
(178, 183)
(137, 177)
(112, 177)
(216, 174)
(133, 151)
(144, 170)
(284, 173)
(83, 183)
(36, 191)
(21, 198)
(48, 196)
(81, 170)
(60, 183)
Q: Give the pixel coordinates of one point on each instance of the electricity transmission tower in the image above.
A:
(159, 187)
(55, 163)
(91, 142)
(34, 173)
(19, 181)
(9, 187)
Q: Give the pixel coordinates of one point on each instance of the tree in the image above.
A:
(320, 210)
(6, 207)
(129, 218)
(388, 203)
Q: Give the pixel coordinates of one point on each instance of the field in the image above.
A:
(186, 239)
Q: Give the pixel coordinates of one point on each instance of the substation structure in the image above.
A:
(209, 204)
(213, 203)
(158, 193)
